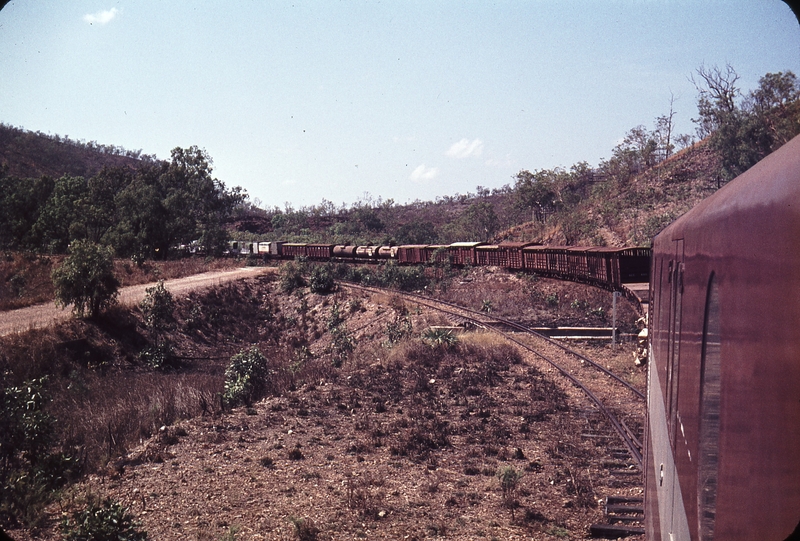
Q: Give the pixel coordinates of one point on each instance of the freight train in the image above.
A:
(723, 433)
(722, 445)
(608, 268)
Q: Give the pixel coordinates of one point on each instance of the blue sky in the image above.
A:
(300, 101)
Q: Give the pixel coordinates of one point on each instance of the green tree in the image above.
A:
(197, 203)
(746, 128)
(535, 193)
(20, 206)
(322, 279)
(60, 219)
(416, 232)
(86, 279)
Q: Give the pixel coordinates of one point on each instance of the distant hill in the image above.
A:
(27, 154)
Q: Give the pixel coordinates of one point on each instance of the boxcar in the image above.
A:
(319, 252)
(463, 253)
(511, 254)
(276, 248)
(411, 253)
(437, 252)
(293, 249)
(487, 255)
(634, 265)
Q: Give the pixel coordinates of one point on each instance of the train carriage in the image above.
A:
(291, 250)
(388, 252)
(435, 253)
(463, 253)
(634, 265)
(411, 253)
(344, 251)
(599, 262)
(722, 457)
(367, 252)
(319, 252)
(511, 254)
(534, 259)
(487, 255)
(575, 266)
(276, 249)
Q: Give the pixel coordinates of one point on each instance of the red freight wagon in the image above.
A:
(411, 253)
(293, 249)
(510, 254)
(463, 253)
(487, 255)
(319, 251)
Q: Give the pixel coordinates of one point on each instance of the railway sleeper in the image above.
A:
(625, 516)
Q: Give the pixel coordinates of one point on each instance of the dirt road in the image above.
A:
(42, 315)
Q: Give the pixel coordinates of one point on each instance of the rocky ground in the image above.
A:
(403, 440)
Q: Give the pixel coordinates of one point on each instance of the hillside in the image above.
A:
(619, 203)
(396, 439)
(27, 154)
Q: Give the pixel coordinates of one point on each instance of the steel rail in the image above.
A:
(631, 442)
(523, 328)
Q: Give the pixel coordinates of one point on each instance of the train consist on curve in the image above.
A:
(723, 433)
(608, 268)
(722, 448)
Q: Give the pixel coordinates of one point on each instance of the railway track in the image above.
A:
(606, 412)
(572, 365)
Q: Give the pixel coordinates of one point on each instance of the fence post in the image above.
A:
(614, 319)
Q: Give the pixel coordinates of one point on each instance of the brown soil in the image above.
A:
(400, 442)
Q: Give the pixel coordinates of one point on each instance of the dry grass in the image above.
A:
(399, 441)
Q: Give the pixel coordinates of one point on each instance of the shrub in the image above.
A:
(342, 343)
(322, 279)
(26, 430)
(292, 276)
(305, 529)
(108, 521)
(245, 377)
(86, 279)
(160, 355)
(157, 307)
(437, 337)
(397, 329)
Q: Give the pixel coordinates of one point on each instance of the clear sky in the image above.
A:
(297, 101)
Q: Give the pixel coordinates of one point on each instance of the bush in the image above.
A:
(292, 275)
(86, 279)
(245, 378)
(322, 279)
(106, 522)
(436, 337)
(29, 473)
(26, 430)
(342, 343)
(157, 307)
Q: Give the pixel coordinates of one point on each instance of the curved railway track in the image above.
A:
(571, 364)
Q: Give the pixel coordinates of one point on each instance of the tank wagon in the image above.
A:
(722, 457)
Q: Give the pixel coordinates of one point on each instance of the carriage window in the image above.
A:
(709, 414)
